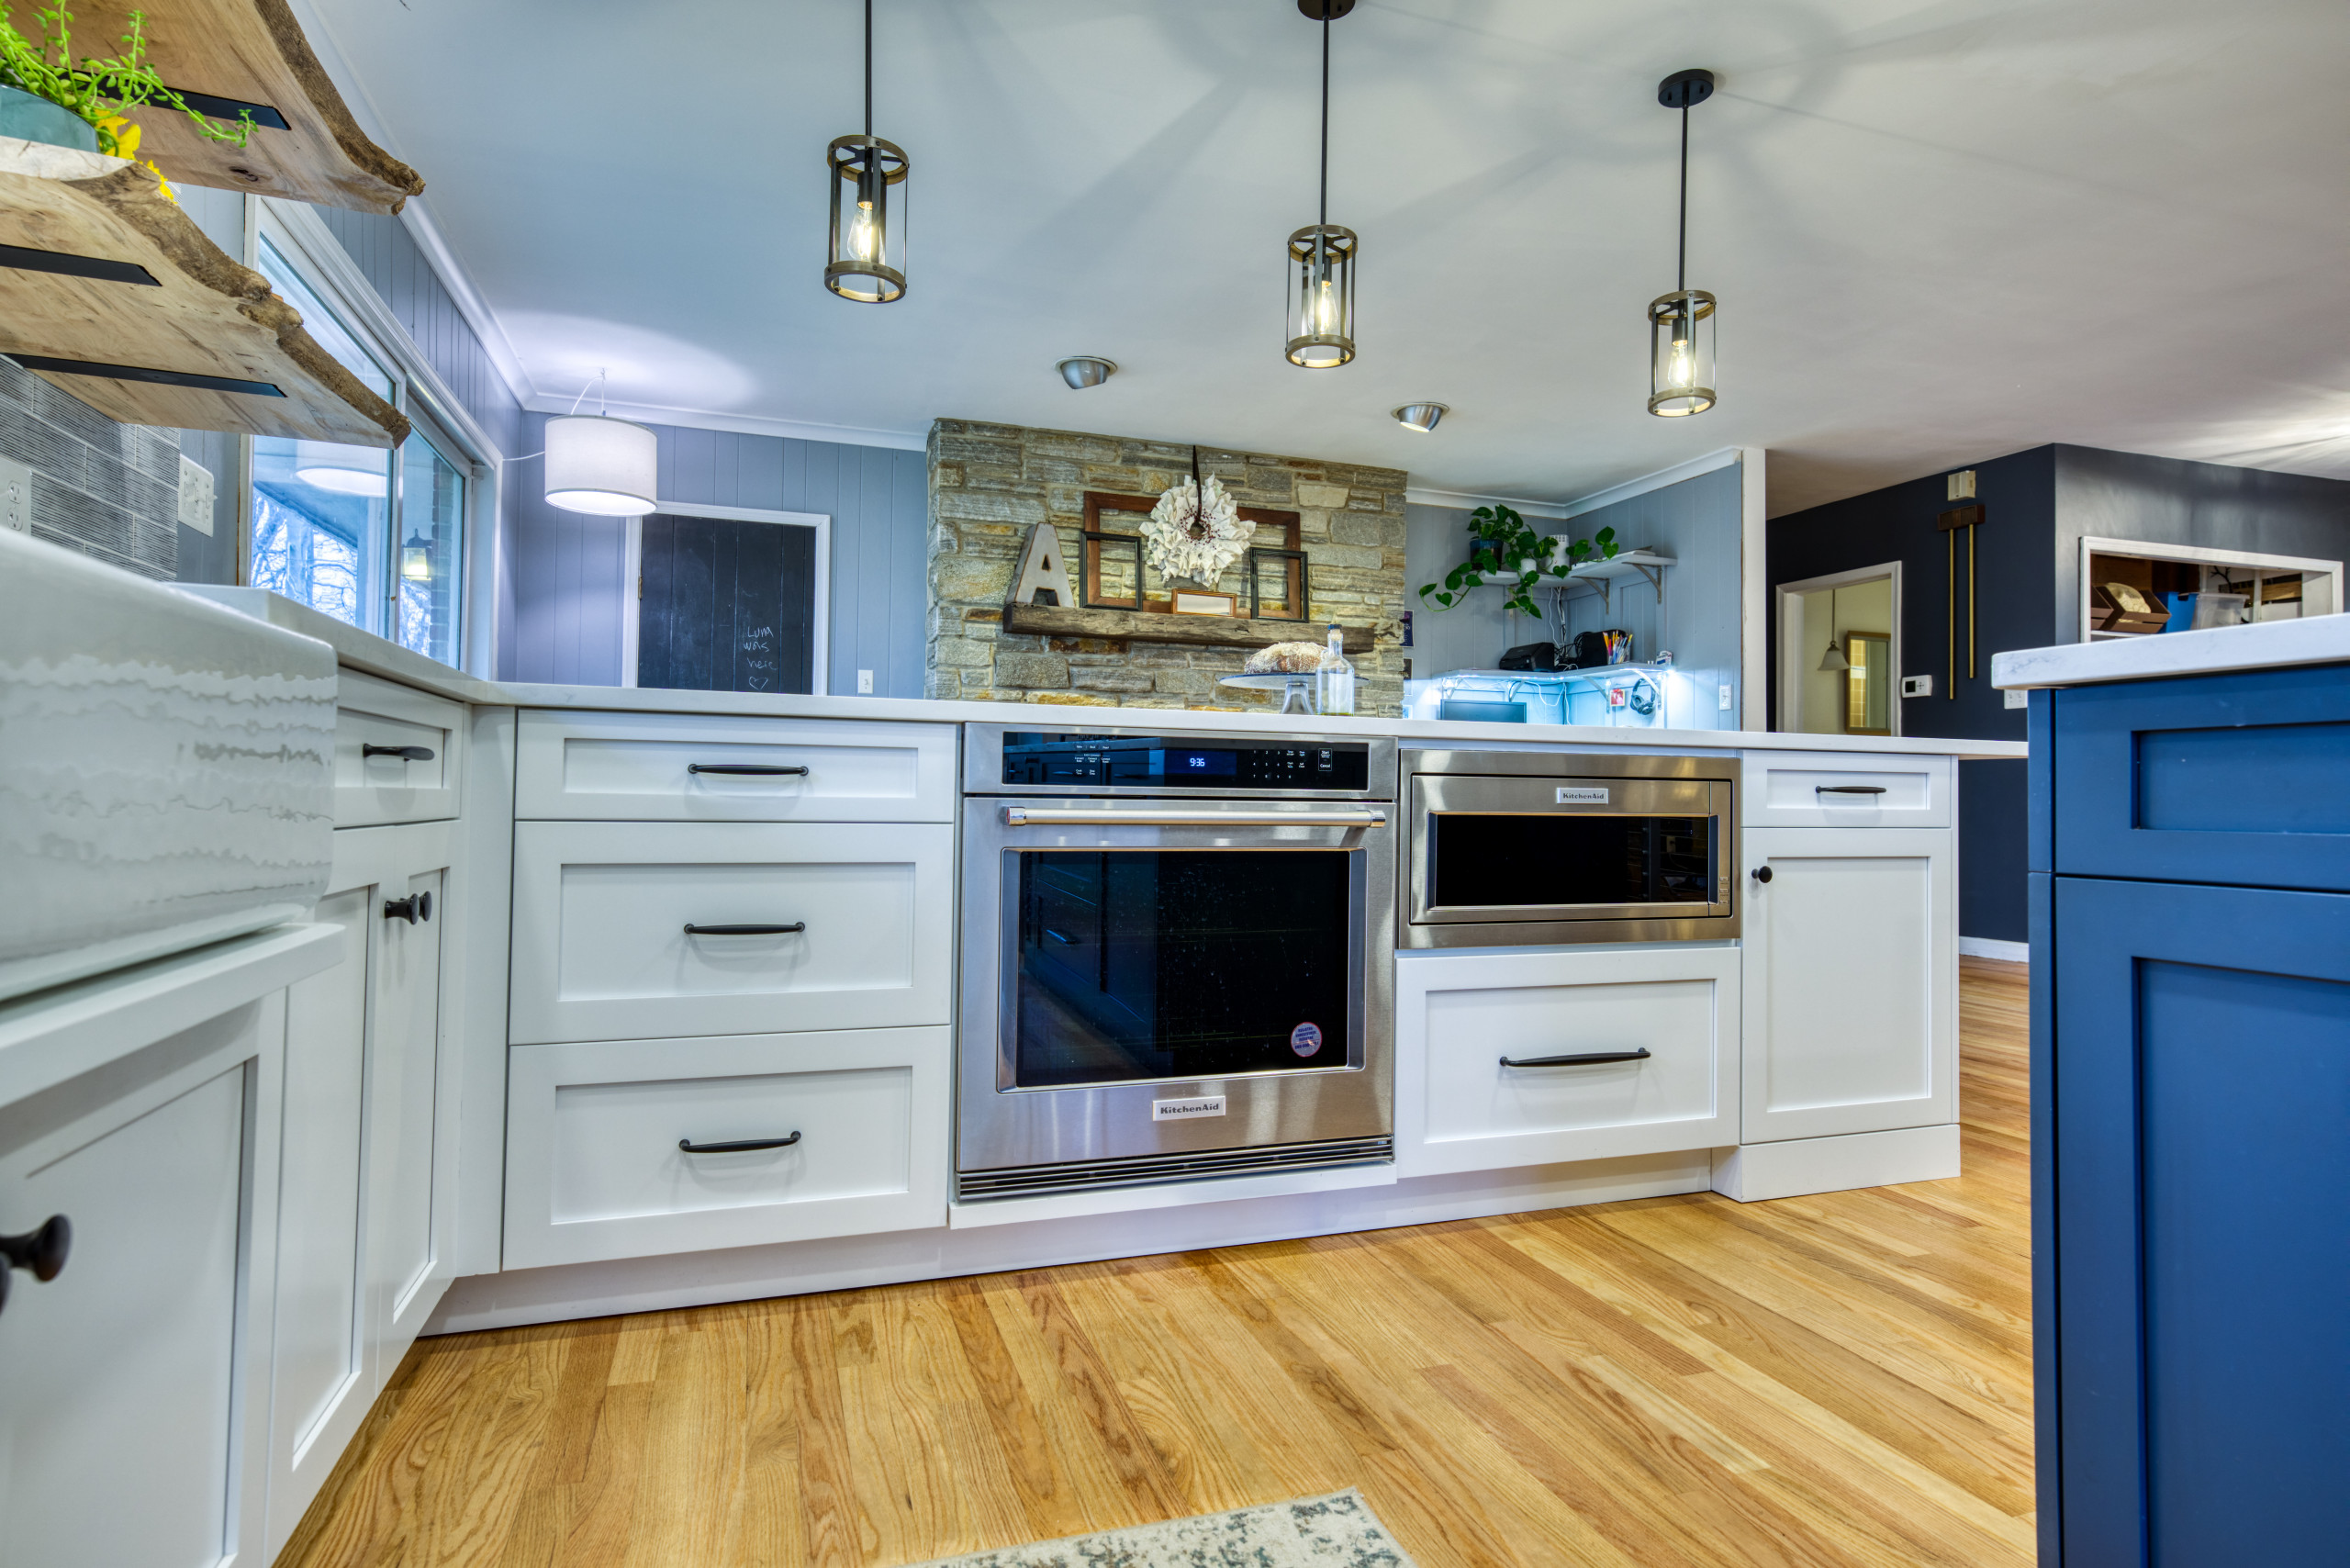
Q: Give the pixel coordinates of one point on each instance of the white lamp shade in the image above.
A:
(343, 470)
(601, 466)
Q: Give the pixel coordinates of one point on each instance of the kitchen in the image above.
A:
(732, 929)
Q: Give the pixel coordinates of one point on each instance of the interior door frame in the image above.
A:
(632, 578)
(1788, 596)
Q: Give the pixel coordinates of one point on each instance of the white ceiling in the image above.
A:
(1940, 231)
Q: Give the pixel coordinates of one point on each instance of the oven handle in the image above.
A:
(1032, 816)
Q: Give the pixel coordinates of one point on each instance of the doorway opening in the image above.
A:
(1840, 653)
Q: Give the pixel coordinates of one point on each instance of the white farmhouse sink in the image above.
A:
(164, 769)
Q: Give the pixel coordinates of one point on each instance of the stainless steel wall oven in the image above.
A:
(1515, 849)
(1174, 960)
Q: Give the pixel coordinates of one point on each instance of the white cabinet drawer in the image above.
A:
(378, 716)
(1798, 788)
(601, 952)
(670, 767)
(595, 1170)
(1457, 1016)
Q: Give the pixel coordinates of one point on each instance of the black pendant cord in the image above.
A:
(868, 77)
(1323, 220)
(1681, 250)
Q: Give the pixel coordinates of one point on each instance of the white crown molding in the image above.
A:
(1420, 496)
(1656, 481)
(741, 425)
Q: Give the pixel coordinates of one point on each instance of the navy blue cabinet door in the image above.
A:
(2201, 1218)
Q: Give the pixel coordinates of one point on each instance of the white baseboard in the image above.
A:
(1754, 1171)
(750, 1274)
(1991, 948)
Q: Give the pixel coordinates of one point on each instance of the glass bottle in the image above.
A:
(1334, 682)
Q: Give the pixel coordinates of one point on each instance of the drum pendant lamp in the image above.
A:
(1681, 324)
(865, 258)
(1322, 255)
(601, 466)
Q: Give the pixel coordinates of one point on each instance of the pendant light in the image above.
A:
(1681, 324)
(1321, 302)
(1833, 660)
(865, 257)
(601, 466)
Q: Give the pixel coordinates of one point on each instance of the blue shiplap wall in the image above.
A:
(569, 568)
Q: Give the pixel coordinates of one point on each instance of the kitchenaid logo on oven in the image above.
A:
(1583, 794)
(1186, 1110)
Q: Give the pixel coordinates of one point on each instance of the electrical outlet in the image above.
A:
(195, 496)
(2017, 699)
(865, 683)
(1917, 685)
(1729, 698)
(16, 497)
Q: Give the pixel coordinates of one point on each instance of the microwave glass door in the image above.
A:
(1134, 965)
(1502, 850)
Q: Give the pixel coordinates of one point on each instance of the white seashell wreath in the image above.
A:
(1195, 531)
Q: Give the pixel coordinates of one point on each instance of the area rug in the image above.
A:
(1336, 1531)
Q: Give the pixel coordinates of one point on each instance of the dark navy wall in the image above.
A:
(568, 567)
(2120, 494)
(2014, 603)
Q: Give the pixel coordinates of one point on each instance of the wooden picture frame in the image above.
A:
(1102, 507)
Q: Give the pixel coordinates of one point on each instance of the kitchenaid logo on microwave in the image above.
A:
(1583, 794)
(1185, 1109)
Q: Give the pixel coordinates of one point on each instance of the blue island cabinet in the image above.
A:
(2190, 1084)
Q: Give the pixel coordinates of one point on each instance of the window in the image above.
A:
(376, 538)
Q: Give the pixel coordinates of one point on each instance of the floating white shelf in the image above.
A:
(1648, 565)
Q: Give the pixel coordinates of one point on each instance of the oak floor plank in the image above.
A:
(1839, 1381)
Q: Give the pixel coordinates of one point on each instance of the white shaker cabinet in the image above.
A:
(1851, 979)
(362, 1209)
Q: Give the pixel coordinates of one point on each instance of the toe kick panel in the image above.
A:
(646, 930)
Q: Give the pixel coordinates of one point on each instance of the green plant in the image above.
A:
(1503, 549)
(95, 88)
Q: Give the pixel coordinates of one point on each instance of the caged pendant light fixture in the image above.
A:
(1322, 255)
(1681, 324)
(865, 257)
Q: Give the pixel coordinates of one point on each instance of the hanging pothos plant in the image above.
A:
(1503, 550)
(98, 90)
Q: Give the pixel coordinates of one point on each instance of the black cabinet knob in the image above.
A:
(406, 753)
(41, 1253)
(1762, 873)
(413, 908)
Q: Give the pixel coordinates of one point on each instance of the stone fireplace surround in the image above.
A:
(990, 483)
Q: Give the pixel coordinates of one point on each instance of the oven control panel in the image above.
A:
(1177, 762)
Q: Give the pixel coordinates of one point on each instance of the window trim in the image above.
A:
(302, 238)
(821, 569)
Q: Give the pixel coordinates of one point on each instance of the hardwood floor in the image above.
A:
(1844, 1378)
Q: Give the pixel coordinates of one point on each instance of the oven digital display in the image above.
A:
(1079, 761)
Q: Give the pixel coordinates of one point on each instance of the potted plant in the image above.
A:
(47, 95)
(1503, 549)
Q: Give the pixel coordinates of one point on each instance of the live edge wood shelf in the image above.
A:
(109, 291)
(230, 56)
(1207, 630)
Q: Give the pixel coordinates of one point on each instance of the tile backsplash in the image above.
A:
(108, 490)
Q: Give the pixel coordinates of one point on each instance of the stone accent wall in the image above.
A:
(990, 483)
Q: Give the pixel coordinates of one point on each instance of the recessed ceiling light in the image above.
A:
(1085, 370)
(1420, 416)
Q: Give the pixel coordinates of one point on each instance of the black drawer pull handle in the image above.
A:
(1588, 1058)
(41, 1253)
(1848, 788)
(740, 1146)
(796, 926)
(413, 908)
(764, 769)
(1760, 873)
(411, 753)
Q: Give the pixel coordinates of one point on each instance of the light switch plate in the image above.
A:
(2017, 699)
(865, 683)
(1729, 698)
(1917, 685)
(195, 494)
(16, 497)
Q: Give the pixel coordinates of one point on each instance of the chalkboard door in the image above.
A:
(726, 606)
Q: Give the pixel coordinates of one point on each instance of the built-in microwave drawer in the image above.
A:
(1506, 1059)
(792, 1138)
(396, 751)
(1803, 788)
(626, 931)
(1553, 849)
(704, 767)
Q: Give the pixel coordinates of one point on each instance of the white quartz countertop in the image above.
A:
(2272, 645)
(364, 650)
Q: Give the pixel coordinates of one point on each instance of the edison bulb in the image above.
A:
(860, 234)
(1325, 309)
(1681, 370)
